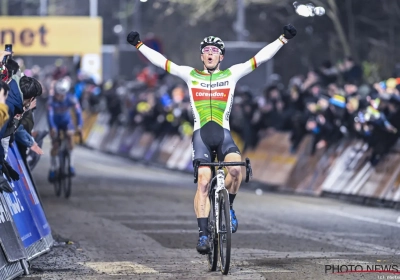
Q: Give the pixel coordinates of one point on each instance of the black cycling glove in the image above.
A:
(289, 31)
(133, 38)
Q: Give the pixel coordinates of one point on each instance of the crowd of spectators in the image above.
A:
(330, 102)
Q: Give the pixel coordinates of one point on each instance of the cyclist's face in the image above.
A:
(210, 56)
(59, 97)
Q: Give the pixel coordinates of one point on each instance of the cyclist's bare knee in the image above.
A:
(235, 172)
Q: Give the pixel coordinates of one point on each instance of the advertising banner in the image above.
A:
(22, 217)
(30, 194)
(47, 35)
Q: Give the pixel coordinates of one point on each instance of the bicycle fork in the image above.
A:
(220, 187)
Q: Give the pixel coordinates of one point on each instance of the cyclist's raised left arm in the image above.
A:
(158, 59)
(265, 54)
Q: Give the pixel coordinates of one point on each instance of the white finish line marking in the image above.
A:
(119, 268)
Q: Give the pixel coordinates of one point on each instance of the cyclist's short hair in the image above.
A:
(30, 87)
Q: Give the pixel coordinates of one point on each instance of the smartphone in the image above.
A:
(8, 48)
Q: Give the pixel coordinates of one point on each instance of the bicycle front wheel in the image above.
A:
(225, 232)
(212, 229)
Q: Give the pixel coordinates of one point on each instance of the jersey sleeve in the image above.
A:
(74, 103)
(159, 60)
(50, 113)
(265, 54)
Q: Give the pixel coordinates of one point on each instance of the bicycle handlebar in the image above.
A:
(249, 172)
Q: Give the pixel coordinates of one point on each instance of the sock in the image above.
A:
(231, 199)
(203, 226)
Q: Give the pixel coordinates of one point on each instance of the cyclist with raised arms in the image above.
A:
(211, 97)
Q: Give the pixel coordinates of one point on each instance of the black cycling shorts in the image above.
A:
(212, 138)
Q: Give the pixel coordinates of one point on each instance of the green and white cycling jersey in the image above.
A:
(211, 96)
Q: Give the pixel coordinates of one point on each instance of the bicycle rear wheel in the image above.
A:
(67, 176)
(213, 255)
(225, 232)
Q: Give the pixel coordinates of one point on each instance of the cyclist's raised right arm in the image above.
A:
(159, 60)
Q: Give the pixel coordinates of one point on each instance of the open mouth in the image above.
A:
(209, 60)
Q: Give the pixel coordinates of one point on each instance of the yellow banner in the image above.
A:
(51, 35)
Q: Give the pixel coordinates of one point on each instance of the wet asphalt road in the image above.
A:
(129, 221)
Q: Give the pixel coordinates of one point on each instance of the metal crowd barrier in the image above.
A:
(342, 170)
(24, 231)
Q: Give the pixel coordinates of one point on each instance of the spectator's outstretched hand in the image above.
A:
(37, 149)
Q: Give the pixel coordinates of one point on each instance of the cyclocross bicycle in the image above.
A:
(63, 175)
(219, 219)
